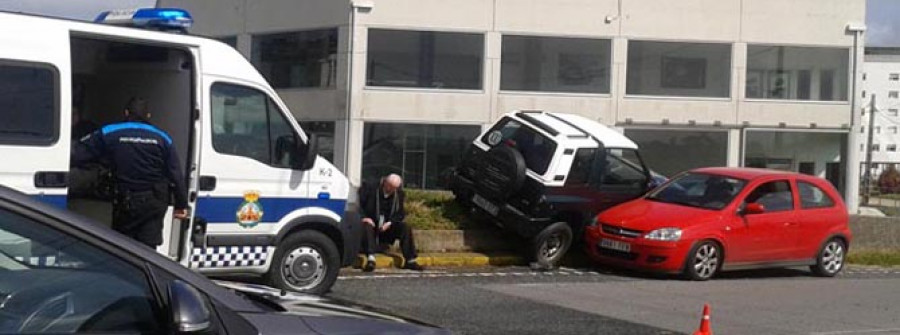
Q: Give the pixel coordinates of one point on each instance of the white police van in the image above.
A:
(261, 201)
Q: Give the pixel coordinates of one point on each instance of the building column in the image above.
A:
(735, 148)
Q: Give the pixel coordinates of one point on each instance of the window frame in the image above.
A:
(848, 71)
(609, 66)
(813, 185)
(56, 109)
(777, 180)
(258, 38)
(161, 307)
(269, 101)
(482, 78)
(729, 96)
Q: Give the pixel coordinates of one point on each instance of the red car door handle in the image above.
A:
(790, 224)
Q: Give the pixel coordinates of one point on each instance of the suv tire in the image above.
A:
(502, 172)
(305, 261)
(551, 244)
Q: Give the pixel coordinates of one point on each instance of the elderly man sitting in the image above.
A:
(382, 218)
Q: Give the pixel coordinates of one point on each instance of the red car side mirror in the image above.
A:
(753, 208)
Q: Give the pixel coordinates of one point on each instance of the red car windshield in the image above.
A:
(699, 190)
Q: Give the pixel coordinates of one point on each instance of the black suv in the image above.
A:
(544, 175)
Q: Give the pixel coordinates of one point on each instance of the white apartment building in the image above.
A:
(404, 85)
(881, 82)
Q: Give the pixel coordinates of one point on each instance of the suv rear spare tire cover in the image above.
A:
(503, 172)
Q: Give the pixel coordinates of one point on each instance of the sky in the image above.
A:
(883, 28)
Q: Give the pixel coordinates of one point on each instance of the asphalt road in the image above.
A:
(515, 300)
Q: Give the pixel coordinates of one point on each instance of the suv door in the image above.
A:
(624, 177)
(53, 282)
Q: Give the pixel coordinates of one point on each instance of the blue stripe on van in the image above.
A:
(224, 209)
(135, 125)
(57, 200)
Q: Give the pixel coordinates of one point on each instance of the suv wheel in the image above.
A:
(551, 244)
(306, 261)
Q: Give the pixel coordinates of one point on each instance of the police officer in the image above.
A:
(145, 167)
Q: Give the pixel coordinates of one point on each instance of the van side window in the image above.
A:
(28, 104)
(247, 123)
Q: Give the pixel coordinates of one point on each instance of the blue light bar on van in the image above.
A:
(158, 18)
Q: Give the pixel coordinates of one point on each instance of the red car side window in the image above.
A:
(774, 196)
(811, 196)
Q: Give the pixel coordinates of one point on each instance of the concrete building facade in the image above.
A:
(404, 85)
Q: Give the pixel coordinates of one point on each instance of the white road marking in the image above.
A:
(865, 331)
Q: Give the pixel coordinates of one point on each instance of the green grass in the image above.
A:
(874, 257)
(434, 210)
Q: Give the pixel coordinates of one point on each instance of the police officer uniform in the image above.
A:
(145, 165)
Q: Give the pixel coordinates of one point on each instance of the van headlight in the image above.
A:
(664, 234)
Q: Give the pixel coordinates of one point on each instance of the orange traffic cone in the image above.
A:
(704, 322)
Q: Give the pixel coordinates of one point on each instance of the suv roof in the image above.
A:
(571, 125)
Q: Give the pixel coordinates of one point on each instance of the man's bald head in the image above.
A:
(391, 183)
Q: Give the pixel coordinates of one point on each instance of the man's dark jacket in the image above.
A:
(369, 195)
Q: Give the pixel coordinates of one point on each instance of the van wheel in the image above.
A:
(551, 244)
(703, 261)
(830, 259)
(307, 261)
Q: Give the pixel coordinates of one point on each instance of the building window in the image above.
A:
(892, 112)
(892, 130)
(783, 150)
(679, 69)
(797, 73)
(553, 64)
(893, 94)
(230, 40)
(876, 147)
(29, 104)
(878, 130)
(669, 152)
(894, 77)
(325, 132)
(864, 93)
(424, 59)
(423, 154)
(892, 147)
(297, 59)
(862, 130)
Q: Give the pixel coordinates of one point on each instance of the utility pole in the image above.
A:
(868, 174)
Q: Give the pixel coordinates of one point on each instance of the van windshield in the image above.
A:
(536, 148)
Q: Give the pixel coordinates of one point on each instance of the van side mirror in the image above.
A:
(307, 153)
(753, 208)
(190, 314)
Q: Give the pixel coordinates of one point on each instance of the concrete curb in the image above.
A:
(463, 259)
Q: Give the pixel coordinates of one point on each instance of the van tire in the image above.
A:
(502, 172)
(551, 244)
(306, 261)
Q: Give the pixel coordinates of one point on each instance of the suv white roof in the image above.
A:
(576, 125)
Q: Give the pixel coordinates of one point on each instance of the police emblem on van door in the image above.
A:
(251, 212)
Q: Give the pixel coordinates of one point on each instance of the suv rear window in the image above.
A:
(536, 148)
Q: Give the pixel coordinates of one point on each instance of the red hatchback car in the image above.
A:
(713, 219)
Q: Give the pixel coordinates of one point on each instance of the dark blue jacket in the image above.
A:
(141, 156)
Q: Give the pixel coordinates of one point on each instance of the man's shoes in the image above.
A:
(369, 267)
(413, 266)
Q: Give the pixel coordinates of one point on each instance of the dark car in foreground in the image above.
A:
(712, 219)
(61, 273)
